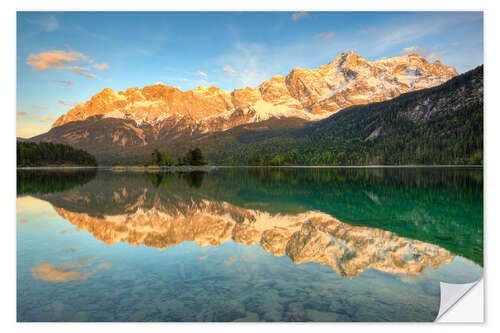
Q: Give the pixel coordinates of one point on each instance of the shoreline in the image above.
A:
(352, 166)
(57, 167)
(176, 168)
(213, 167)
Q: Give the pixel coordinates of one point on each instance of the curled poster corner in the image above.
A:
(451, 294)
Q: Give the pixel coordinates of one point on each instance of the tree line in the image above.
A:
(193, 157)
(32, 154)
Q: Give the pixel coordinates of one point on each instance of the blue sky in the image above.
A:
(64, 58)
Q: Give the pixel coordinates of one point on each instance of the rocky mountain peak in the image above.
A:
(349, 60)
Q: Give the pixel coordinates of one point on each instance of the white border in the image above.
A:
(492, 167)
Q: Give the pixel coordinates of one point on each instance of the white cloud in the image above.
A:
(300, 15)
(202, 74)
(228, 69)
(48, 23)
(325, 35)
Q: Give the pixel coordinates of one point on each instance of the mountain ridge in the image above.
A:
(310, 94)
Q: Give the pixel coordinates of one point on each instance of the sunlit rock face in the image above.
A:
(311, 236)
(309, 94)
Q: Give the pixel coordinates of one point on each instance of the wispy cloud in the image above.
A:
(300, 15)
(325, 35)
(101, 67)
(406, 33)
(89, 34)
(415, 29)
(49, 118)
(245, 75)
(66, 102)
(201, 74)
(21, 113)
(365, 31)
(63, 83)
(248, 74)
(48, 23)
(34, 106)
(55, 58)
(430, 56)
(251, 63)
(89, 75)
(65, 60)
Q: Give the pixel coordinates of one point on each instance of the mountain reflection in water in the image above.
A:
(311, 236)
(277, 244)
(437, 206)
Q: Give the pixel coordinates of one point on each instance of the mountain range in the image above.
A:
(303, 93)
(133, 122)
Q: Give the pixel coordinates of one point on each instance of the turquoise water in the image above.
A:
(245, 244)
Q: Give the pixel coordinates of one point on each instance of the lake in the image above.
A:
(245, 244)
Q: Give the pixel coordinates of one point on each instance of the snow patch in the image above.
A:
(114, 114)
(265, 110)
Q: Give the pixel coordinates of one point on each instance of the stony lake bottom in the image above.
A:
(245, 244)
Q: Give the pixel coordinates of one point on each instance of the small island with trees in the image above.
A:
(193, 157)
(193, 160)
